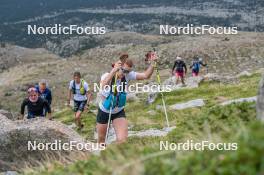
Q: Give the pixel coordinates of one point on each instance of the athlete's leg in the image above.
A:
(182, 80)
(101, 126)
(121, 129)
(101, 131)
(177, 77)
(78, 118)
(79, 109)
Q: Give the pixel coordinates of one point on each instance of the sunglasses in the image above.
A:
(125, 71)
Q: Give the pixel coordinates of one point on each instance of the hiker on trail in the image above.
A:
(196, 64)
(36, 106)
(44, 92)
(81, 97)
(114, 97)
(179, 69)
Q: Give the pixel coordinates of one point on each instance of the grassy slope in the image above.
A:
(232, 123)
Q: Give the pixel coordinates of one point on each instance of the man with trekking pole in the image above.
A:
(113, 98)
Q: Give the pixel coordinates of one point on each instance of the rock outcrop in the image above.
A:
(240, 100)
(189, 104)
(8, 114)
(15, 137)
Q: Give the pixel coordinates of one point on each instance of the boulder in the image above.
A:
(260, 100)
(189, 104)
(15, 137)
(240, 100)
(244, 73)
(151, 132)
(8, 114)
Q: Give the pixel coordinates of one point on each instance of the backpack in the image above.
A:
(82, 89)
(196, 66)
(116, 99)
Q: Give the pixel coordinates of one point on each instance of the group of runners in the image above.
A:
(180, 69)
(112, 100)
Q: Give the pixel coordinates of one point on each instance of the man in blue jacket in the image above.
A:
(196, 64)
(44, 92)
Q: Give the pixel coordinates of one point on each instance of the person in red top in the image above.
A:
(180, 70)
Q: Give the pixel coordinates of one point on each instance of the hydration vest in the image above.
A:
(116, 98)
(196, 66)
(82, 89)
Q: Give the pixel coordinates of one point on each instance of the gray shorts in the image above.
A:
(79, 105)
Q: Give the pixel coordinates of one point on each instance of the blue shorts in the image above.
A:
(79, 105)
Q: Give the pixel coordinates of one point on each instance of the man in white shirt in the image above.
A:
(81, 96)
(121, 74)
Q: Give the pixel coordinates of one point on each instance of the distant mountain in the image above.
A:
(141, 16)
(31, 8)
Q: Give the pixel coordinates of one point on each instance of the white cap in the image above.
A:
(178, 58)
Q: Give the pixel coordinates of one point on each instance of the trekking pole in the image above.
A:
(110, 112)
(162, 96)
